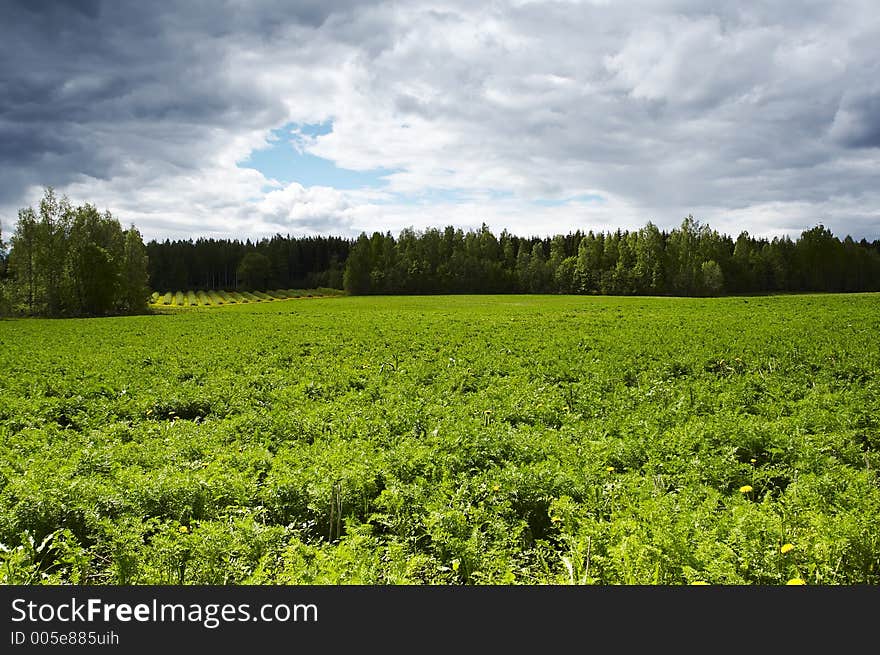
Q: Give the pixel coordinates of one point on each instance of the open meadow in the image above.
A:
(446, 440)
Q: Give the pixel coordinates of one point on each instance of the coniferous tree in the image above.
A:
(254, 271)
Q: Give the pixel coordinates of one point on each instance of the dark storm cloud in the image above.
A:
(857, 122)
(79, 74)
(756, 111)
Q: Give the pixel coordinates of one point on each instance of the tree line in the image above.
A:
(72, 261)
(75, 261)
(277, 263)
(691, 260)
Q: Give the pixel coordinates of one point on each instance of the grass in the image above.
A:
(446, 440)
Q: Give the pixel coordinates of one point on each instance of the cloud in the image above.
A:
(857, 121)
(753, 117)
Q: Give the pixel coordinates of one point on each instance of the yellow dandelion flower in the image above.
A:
(753, 460)
(699, 583)
(556, 519)
(796, 581)
(610, 469)
(455, 564)
(495, 487)
(183, 528)
(786, 548)
(746, 489)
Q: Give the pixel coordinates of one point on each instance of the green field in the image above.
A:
(446, 440)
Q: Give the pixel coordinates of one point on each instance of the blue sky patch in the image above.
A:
(282, 161)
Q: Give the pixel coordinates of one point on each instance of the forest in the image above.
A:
(691, 260)
(73, 261)
(276, 263)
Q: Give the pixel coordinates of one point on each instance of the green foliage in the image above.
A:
(73, 261)
(357, 271)
(253, 271)
(135, 276)
(454, 440)
(712, 277)
(57, 559)
(691, 260)
(212, 264)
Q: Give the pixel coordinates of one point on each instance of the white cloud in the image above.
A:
(749, 117)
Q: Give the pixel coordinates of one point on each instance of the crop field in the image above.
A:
(201, 298)
(445, 440)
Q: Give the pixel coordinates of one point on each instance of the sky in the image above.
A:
(247, 118)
